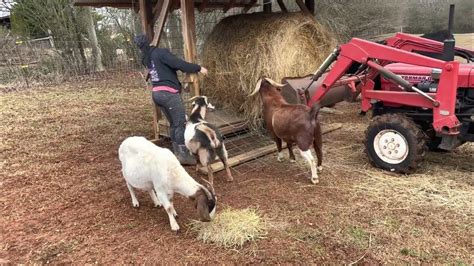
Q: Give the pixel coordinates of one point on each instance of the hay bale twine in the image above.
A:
(243, 48)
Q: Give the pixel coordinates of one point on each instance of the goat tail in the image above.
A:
(313, 113)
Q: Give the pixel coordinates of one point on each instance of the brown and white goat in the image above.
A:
(203, 139)
(291, 123)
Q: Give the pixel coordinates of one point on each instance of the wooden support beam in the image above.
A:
(249, 6)
(157, 9)
(188, 24)
(242, 158)
(303, 7)
(163, 14)
(203, 5)
(310, 5)
(253, 154)
(282, 6)
(267, 6)
(145, 16)
(104, 3)
(229, 5)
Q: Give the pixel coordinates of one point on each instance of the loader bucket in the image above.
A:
(293, 91)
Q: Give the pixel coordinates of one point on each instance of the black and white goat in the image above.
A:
(203, 139)
(154, 169)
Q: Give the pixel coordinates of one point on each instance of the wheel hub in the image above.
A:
(391, 146)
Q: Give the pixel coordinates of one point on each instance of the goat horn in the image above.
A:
(210, 187)
(257, 88)
(190, 99)
(274, 83)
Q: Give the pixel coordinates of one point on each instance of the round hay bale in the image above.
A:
(243, 48)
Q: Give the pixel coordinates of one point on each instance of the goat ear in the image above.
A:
(203, 209)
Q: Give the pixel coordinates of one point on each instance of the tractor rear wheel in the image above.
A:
(395, 143)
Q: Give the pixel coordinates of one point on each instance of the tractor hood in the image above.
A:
(415, 74)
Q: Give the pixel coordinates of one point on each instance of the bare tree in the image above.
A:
(96, 51)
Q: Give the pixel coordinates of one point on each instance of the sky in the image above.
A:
(4, 3)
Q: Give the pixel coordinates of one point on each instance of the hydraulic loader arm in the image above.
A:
(412, 43)
(369, 53)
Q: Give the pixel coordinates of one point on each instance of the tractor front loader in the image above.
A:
(420, 96)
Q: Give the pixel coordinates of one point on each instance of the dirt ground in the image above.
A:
(63, 199)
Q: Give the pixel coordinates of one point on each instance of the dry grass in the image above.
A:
(231, 228)
(243, 48)
(63, 198)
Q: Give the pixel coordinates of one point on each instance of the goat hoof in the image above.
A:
(280, 160)
(230, 179)
(292, 161)
(135, 204)
(319, 169)
(176, 230)
(314, 180)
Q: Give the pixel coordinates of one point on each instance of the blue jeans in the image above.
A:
(172, 106)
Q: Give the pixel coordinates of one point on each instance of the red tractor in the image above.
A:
(420, 96)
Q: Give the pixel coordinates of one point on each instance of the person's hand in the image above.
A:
(203, 71)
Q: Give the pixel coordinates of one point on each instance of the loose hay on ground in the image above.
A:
(231, 228)
(243, 48)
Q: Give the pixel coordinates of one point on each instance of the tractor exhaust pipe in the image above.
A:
(451, 19)
(449, 44)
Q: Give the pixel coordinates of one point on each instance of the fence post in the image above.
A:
(23, 67)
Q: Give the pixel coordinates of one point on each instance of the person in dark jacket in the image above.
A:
(162, 66)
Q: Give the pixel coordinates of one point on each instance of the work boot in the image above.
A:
(183, 154)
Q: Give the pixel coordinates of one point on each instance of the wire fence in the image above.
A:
(52, 60)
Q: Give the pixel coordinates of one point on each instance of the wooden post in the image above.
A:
(310, 5)
(189, 36)
(203, 5)
(229, 5)
(249, 6)
(160, 13)
(303, 7)
(282, 6)
(267, 6)
(146, 16)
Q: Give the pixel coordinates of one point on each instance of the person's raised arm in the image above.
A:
(176, 63)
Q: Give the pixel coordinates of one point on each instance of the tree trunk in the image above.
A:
(77, 34)
(96, 51)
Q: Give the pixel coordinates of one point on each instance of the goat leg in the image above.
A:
(318, 146)
(310, 159)
(290, 152)
(135, 202)
(198, 163)
(167, 205)
(279, 148)
(153, 197)
(175, 214)
(222, 154)
(210, 174)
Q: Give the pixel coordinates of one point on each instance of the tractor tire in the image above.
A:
(395, 143)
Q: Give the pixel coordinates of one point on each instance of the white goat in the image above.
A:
(154, 169)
